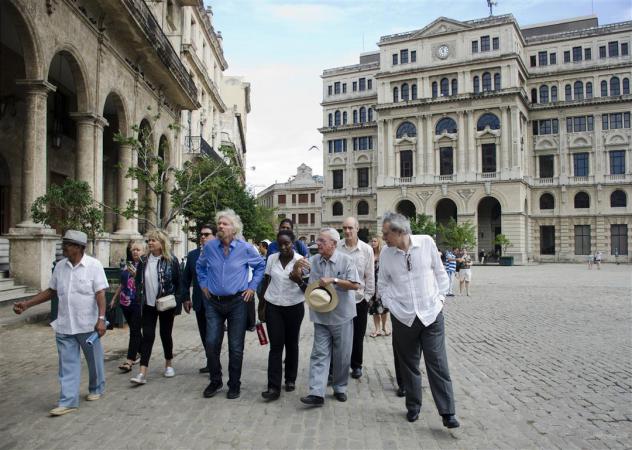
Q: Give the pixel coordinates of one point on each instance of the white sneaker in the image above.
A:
(170, 372)
(139, 379)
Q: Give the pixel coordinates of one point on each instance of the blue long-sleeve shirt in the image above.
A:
(299, 247)
(228, 274)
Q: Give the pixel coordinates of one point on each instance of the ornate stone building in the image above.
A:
(299, 200)
(76, 72)
(523, 131)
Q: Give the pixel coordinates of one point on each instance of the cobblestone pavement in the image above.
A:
(540, 356)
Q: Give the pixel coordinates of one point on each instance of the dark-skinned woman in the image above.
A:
(284, 311)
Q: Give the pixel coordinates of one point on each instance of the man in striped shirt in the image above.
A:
(450, 268)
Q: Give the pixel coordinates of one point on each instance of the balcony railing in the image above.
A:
(444, 178)
(589, 179)
(487, 175)
(338, 192)
(545, 181)
(197, 144)
(617, 177)
(362, 190)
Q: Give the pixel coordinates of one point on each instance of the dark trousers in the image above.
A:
(133, 318)
(284, 329)
(398, 372)
(200, 316)
(359, 330)
(235, 311)
(410, 342)
(148, 321)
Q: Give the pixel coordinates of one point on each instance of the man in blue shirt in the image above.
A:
(299, 246)
(222, 271)
(450, 268)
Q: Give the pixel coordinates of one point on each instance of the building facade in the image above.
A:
(508, 128)
(299, 200)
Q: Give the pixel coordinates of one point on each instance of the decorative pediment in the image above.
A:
(363, 159)
(466, 193)
(445, 136)
(440, 26)
(337, 160)
(424, 195)
(545, 143)
(616, 138)
(488, 132)
(406, 140)
(581, 141)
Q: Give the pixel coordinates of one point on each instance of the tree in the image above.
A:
(456, 235)
(69, 207)
(504, 242)
(423, 224)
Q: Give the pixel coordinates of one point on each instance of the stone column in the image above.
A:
(460, 168)
(381, 148)
(515, 138)
(471, 143)
(34, 167)
(419, 171)
(99, 123)
(430, 152)
(125, 190)
(503, 162)
(390, 149)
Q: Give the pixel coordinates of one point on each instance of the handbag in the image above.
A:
(166, 303)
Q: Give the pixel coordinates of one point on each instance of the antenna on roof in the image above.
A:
(490, 5)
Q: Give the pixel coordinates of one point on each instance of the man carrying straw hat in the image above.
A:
(333, 277)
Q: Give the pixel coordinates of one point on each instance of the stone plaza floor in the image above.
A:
(540, 357)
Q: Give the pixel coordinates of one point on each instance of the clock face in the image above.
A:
(443, 51)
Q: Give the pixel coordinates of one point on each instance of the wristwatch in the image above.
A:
(335, 280)
(101, 317)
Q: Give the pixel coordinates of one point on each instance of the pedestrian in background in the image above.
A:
(598, 258)
(465, 274)
(79, 282)
(299, 246)
(450, 268)
(157, 276)
(130, 305)
(376, 308)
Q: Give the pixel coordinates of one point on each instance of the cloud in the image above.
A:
(303, 13)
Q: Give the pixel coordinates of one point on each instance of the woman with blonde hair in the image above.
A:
(376, 309)
(157, 276)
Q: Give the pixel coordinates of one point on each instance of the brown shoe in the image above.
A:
(61, 410)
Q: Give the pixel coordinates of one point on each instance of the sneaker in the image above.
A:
(61, 410)
(139, 379)
(93, 397)
(170, 372)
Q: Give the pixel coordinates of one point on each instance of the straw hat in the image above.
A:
(76, 237)
(321, 299)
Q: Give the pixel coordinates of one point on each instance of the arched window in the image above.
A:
(445, 87)
(582, 200)
(395, 94)
(615, 86)
(568, 93)
(405, 91)
(455, 86)
(618, 199)
(534, 95)
(488, 120)
(362, 114)
(446, 124)
(476, 83)
(626, 86)
(544, 94)
(589, 93)
(406, 129)
(363, 208)
(330, 120)
(497, 82)
(355, 116)
(370, 114)
(344, 118)
(337, 118)
(434, 89)
(413, 91)
(487, 82)
(547, 201)
(578, 89)
(553, 93)
(336, 209)
(604, 88)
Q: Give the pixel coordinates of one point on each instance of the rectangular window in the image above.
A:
(354, 86)
(579, 124)
(474, 46)
(294, 218)
(337, 179)
(543, 58)
(533, 61)
(339, 145)
(369, 84)
(312, 220)
(613, 48)
(329, 89)
(303, 198)
(303, 219)
(489, 157)
(344, 88)
(445, 161)
(313, 198)
(626, 120)
(569, 124)
(567, 56)
(362, 84)
(395, 59)
(363, 177)
(619, 239)
(577, 54)
(545, 126)
(624, 49)
(616, 121)
(484, 43)
(281, 199)
(547, 240)
(602, 51)
(495, 43)
(554, 126)
(553, 59)
(403, 56)
(604, 121)
(293, 199)
(547, 166)
(582, 240)
(413, 56)
(406, 163)
(617, 162)
(587, 54)
(589, 123)
(337, 87)
(580, 164)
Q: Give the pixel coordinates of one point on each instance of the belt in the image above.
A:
(225, 297)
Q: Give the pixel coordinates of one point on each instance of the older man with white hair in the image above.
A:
(335, 272)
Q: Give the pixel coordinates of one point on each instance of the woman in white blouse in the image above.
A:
(284, 311)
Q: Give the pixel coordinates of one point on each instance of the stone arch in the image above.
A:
(363, 158)
(406, 207)
(31, 51)
(480, 195)
(445, 209)
(120, 106)
(489, 223)
(78, 70)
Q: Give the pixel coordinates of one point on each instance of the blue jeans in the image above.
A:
(68, 346)
(235, 312)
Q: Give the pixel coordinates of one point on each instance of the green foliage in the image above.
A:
(458, 235)
(423, 224)
(69, 207)
(503, 241)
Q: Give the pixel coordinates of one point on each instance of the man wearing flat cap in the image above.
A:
(332, 279)
(79, 282)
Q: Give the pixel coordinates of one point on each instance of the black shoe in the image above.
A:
(290, 386)
(212, 389)
(232, 394)
(449, 421)
(204, 370)
(271, 394)
(340, 396)
(313, 400)
(412, 415)
(356, 373)
(401, 392)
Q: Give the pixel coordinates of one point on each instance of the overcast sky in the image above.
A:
(282, 47)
